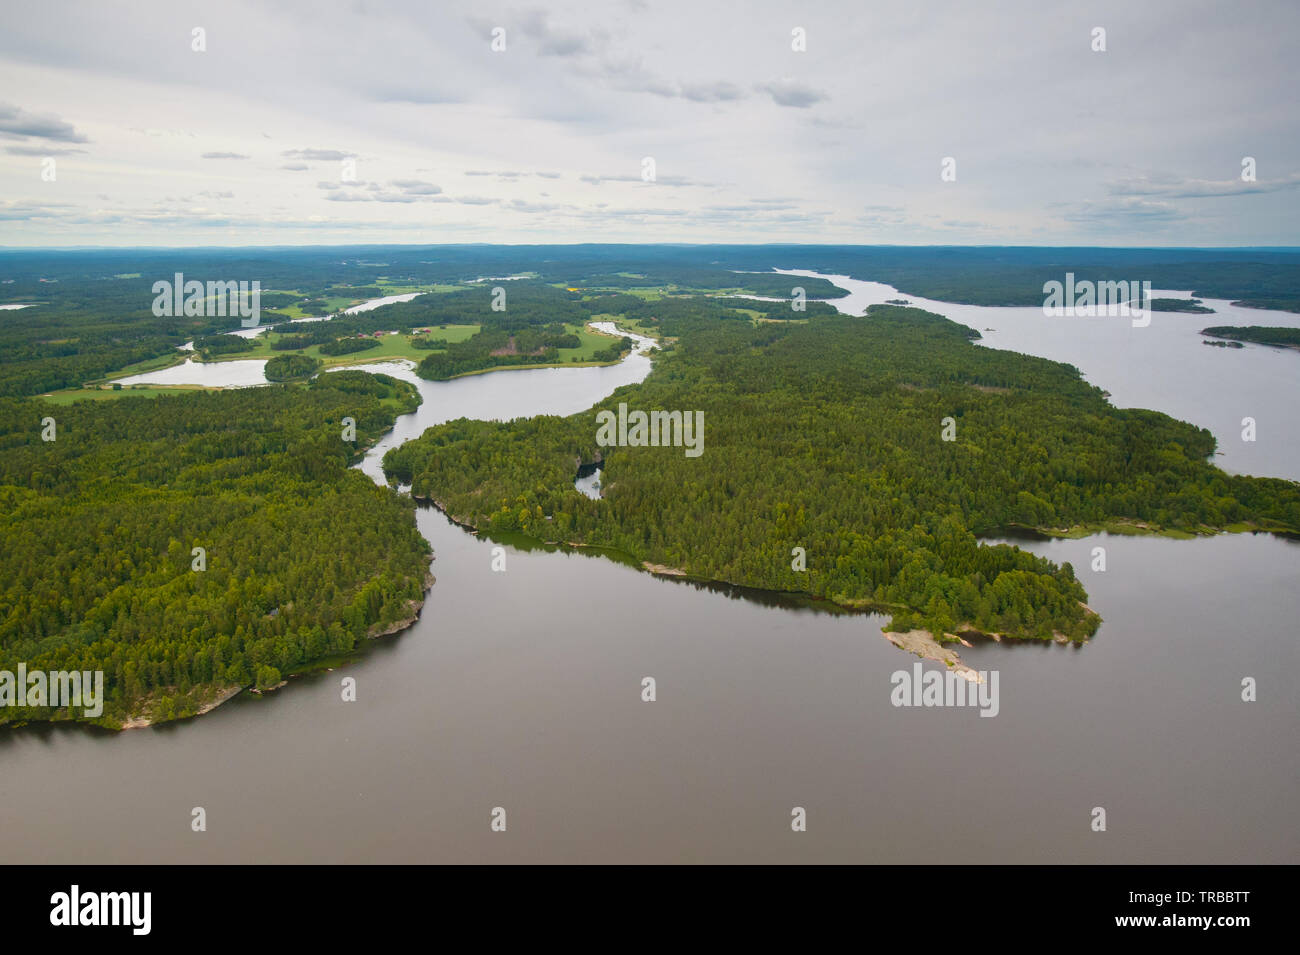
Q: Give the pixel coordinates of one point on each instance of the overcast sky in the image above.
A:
(154, 143)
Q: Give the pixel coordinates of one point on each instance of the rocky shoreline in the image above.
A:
(140, 721)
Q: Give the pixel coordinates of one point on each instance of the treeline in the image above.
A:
(1191, 306)
(303, 554)
(85, 333)
(829, 436)
(492, 348)
(987, 275)
(686, 278)
(525, 304)
(213, 346)
(1260, 334)
(348, 346)
(289, 367)
(84, 328)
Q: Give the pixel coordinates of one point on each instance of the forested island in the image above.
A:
(301, 556)
(828, 435)
(1279, 337)
(289, 367)
(1191, 306)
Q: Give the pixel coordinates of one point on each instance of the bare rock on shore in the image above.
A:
(924, 645)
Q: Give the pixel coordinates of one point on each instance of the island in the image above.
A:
(289, 367)
(1191, 306)
(864, 461)
(1276, 336)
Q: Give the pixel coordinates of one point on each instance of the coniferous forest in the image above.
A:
(1260, 334)
(301, 556)
(830, 436)
(825, 437)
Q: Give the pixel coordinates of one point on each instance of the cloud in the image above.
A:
(19, 211)
(790, 93)
(700, 87)
(416, 187)
(632, 77)
(597, 180)
(316, 154)
(719, 92)
(1168, 187)
(404, 190)
(420, 95)
(657, 181)
(42, 150)
(225, 156)
(350, 197)
(520, 205)
(20, 124)
(551, 42)
(1120, 214)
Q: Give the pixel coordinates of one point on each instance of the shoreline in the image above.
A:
(137, 720)
(373, 632)
(922, 643)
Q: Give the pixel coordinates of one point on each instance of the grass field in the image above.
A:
(70, 395)
(622, 322)
(395, 288)
(336, 303)
(149, 364)
(391, 347)
(592, 342)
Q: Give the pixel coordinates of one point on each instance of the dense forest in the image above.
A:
(92, 313)
(823, 432)
(302, 555)
(978, 275)
(1191, 306)
(289, 367)
(522, 335)
(1260, 334)
(348, 346)
(215, 346)
(829, 435)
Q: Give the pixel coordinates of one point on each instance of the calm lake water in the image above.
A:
(1163, 366)
(242, 373)
(377, 302)
(522, 689)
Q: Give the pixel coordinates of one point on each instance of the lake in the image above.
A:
(1163, 366)
(522, 689)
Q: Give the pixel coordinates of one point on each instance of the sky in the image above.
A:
(310, 122)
